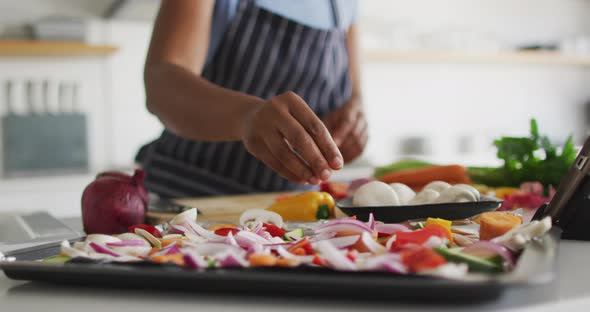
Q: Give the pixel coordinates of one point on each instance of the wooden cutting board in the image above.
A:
(219, 208)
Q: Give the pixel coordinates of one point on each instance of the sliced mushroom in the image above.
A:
(471, 189)
(404, 193)
(424, 197)
(181, 218)
(455, 195)
(438, 186)
(373, 194)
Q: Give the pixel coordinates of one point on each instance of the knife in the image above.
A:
(165, 205)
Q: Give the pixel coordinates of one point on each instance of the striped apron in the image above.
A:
(262, 54)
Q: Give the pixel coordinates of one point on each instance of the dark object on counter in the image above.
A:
(396, 214)
(538, 47)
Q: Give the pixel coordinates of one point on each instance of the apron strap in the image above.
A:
(335, 13)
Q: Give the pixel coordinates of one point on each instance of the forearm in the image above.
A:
(195, 108)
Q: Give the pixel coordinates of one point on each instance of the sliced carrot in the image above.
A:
(153, 250)
(168, 241)
(257, 260)
(417, 178)
(495, 223)
(173, 258)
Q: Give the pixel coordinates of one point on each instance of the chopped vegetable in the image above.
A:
(400, 165)
(494, 224)
(418, 178)
(421, 259)
(273, 230)
(294, 235)
(262, 260)
(226, 231)
(308, 206)
(419, 237)
(474, 263)
(148, 228)
(338, 190)
(445, 224)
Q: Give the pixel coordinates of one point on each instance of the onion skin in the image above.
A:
(113, 202)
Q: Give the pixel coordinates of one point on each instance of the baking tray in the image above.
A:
(393, 214)
(536, 266)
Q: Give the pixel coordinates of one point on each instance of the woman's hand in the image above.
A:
(349, 128)
(287, 136)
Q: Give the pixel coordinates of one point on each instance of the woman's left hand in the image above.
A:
(349, 128)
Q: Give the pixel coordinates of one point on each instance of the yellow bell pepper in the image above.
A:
(502, 192)
(446, 224)
(306, 207)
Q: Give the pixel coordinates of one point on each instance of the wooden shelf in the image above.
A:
(29, 48)
(517, 57)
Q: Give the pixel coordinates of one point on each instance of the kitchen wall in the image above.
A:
(448, 106)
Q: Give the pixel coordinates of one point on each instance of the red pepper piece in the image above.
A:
(421, 259)
(303, 244)
(274, 230)
(418, 237)
(226, 231)
(317, 260)
(338, 190)
(146, 227)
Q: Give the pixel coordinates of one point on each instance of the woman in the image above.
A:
(255, 96)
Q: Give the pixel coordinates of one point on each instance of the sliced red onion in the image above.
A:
(390, 242)
(230, 259)
(103, 250)
(199, 230)
(178, 229)
(67, 250)
(231, 240)
(371, 222)
(212, 249)
(371, 244)
(343, 225)
(173, 250)
(391, 228)
(487, 249)
(284, 253)
(252, 237)
(341, 242)
(129, 243)
(335, 257)
(348, 221)
(165, 250)
(193, 261)
(322, 236)
(265, 235)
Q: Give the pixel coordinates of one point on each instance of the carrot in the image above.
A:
(494, 224)
(257, 260)
(417, 178)
(287, 262)
(216, 227)
(173, 258)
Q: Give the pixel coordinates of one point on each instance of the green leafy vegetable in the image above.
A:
(532, 158)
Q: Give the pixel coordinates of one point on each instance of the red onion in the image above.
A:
(230, 260)
(343, 225)
(390, 228)
(371, 222)
(128, 243)
(342, 242)
(113, 202)
(335, 257)
(371, 244)
(193, 261)
(487, 249)
(103, 250)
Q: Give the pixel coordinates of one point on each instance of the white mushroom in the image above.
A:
(438, 186)
(471, 189)
(258, 215)
(132, 236)
(375, 193)
(424, 197)
(455, 194)
(404, 193)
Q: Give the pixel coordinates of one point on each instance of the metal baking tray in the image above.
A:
(535, 266)
(392, 214)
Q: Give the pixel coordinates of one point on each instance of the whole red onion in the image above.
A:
(113, 202)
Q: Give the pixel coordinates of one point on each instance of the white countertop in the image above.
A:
(570, 291)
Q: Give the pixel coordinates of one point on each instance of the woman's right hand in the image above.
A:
(287, 136)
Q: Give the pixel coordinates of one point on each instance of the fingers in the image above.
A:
(289, 159)
(268, 158)
(346, 123)
(316, 146)
(355, 143)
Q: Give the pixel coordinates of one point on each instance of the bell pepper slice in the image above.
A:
(419, 237)
(273, 230)
(421, 259)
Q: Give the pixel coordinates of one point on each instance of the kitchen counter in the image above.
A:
(568, 292)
